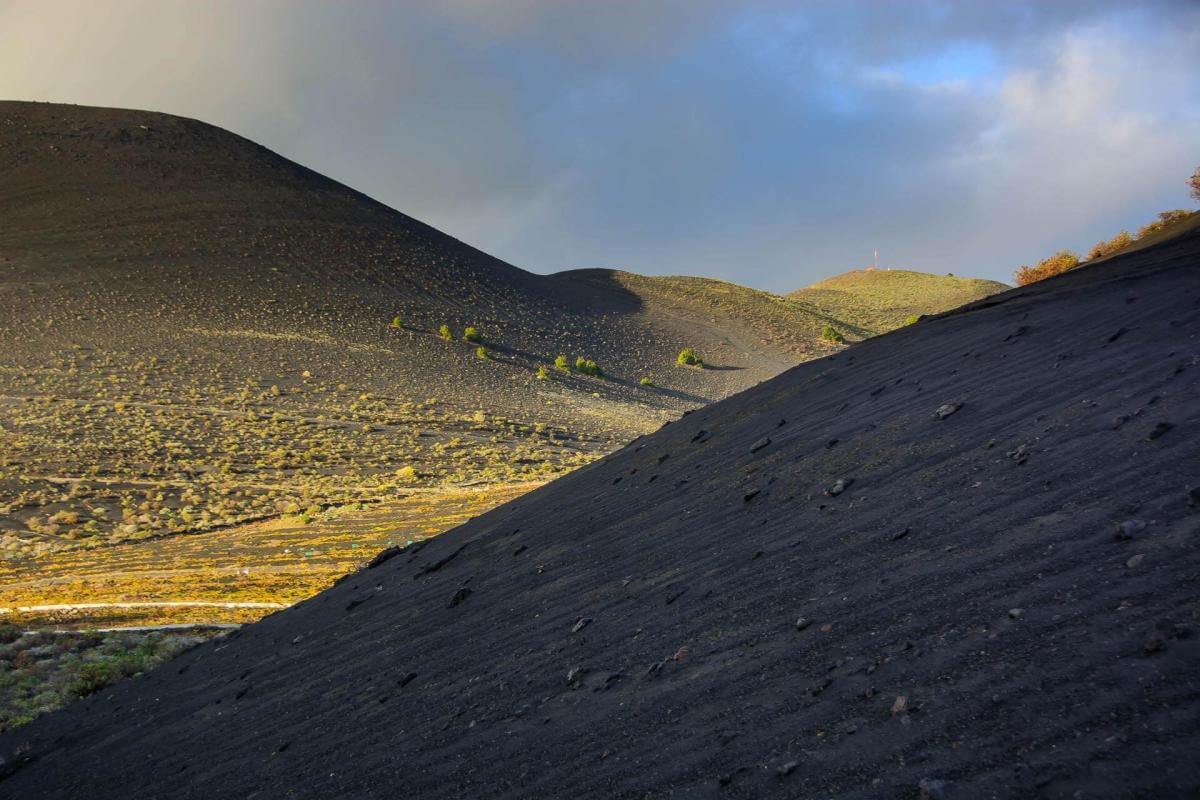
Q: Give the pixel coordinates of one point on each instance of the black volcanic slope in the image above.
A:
(814, 588)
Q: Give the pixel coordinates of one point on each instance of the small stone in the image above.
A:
(947, 409)
(900, 706)
(1159, 429)
(787, 769)
(1130, 528)
(1015, 613)
(462, 594)
(580, 624)
(574, 675)
(1136, 560)
(760, 444)
(802, 623)
(840, 486)
(900, 534)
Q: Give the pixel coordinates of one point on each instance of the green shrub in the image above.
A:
(911, 319)
(687, 358)
(831, 334)
(562, 363)
(396, 323)
(445, 332)
(9, 633)
(481, 352)
(92, 677)
(588, 367)
(645, 381)
(472, 335)
(543, 374)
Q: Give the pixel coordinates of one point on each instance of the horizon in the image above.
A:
(549, 135)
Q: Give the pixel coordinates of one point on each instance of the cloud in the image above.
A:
(766, 142)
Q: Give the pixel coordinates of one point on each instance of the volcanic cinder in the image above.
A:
(830, 584)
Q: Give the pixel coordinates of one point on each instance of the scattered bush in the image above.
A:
(911, 319)
(481, 352)
(396, 323)
(645, 381)
(1102, 249)
(1165, 220)
(543, 374)
(687, 358)
(562, 363)
(831, 334)
(1060, 262)
(445, 332)
(9, 633)
(1194, 183)
(472, 335)
(588, 367)
(407, 474)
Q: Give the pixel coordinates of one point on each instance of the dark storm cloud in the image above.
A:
(768, 143)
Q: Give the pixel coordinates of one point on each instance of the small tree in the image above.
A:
(687, 358)
(472, 335)
(543, 374)
(1194, 184)
(562, 364)
(831, 334)
(445, 332)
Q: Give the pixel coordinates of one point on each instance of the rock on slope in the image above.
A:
(958, 560)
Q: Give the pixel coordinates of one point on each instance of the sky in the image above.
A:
(767, 143)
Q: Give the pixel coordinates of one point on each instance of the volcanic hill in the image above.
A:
(199, 333)
(956, 560)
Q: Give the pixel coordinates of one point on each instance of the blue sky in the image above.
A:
(768, 143)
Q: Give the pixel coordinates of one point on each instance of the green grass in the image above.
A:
(871, 302)
(687, 358)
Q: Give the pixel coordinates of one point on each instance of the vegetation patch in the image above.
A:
(588, 367)
(43, 671)
(833, 335)
(687, 358)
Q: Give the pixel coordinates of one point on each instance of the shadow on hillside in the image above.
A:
(598, 290)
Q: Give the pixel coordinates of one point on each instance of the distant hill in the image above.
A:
(879, 300)
(198, 332)
(958, 560)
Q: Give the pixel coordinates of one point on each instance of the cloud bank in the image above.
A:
(768, 143)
